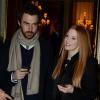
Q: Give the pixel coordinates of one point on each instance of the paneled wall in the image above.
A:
(13, 6)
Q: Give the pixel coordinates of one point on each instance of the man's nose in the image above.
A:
(30, 28)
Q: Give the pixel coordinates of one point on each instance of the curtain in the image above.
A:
(3, 19)
(98, 33)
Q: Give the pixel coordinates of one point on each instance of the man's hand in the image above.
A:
(21, 73)
(4, 96)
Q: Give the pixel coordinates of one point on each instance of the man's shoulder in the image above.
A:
(6, 45)
(45, 44)
(44, 41)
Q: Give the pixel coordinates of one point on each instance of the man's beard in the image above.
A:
(30, 32)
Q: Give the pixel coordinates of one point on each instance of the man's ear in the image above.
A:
(18, 22)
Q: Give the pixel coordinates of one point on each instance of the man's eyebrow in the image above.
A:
(35, 23)
(25, 22)
(29, 23)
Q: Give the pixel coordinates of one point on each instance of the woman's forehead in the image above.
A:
(72, 32)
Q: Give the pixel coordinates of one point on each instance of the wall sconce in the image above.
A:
(87, 23)
(45, 20)
(36, 3)
(40, 7)
(83, 14)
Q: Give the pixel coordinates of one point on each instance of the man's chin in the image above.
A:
(29, 37)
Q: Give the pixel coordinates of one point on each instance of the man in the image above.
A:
(29, 57)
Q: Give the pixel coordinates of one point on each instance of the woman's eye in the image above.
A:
(66, 35)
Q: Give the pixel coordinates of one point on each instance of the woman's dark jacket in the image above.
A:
(88, 88)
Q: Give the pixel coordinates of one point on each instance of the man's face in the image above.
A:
(29, 25)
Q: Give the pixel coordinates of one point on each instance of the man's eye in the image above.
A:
(25, 23)
(35, 23)
(74, 38)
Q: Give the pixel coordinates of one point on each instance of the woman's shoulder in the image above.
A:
(92, 64)
(92, 60)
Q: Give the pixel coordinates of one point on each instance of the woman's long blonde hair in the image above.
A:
(84, 52)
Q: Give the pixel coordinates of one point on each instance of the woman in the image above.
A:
(75, 72)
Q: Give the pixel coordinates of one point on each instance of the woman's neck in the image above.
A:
(72, 53)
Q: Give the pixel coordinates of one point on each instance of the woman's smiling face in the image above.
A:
(71, 40)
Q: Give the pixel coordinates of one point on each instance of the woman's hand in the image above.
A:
(66, 88)
(4, 96)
